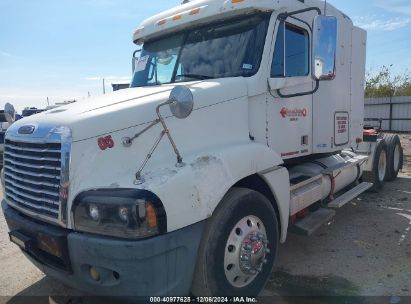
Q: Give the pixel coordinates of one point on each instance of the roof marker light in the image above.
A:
(139, 30)
(161, 22)
(236, 1)
(195, 11)
(178, 17)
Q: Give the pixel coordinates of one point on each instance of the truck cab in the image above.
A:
(240, 117)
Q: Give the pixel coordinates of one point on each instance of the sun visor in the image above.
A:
(196, 13)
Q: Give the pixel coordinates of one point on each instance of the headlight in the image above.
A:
(123, 213)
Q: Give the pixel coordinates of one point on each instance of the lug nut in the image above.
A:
(267, 250)
(265, 261)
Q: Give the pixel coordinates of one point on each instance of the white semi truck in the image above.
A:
(243, 121)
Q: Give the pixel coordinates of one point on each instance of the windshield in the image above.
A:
(228, 49)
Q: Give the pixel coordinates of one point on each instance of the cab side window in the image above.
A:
(292, 52)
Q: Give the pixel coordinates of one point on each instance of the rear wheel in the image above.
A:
(239, 246)
(379, 171)
(395, 156)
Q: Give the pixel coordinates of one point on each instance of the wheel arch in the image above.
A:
(274, 185)
(257, 183)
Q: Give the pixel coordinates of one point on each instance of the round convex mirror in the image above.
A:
(181, 102)
(9, 113)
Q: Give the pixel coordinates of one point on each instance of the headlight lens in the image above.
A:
(94, 212)
(123, 213)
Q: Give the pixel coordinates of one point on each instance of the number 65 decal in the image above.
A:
(105, 142)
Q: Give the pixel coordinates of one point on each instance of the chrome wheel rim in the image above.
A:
(245, 251)
(382, 165)
(397, 157)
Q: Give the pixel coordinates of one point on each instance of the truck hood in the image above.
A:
(129, 108)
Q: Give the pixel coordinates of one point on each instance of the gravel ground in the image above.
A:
(365, 251)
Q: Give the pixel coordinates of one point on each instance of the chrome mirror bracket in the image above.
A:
(128, 141)
(181, 103)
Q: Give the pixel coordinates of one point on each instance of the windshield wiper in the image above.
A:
(196, 76)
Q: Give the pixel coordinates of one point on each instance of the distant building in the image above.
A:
(60, 104)
(120, 86)
(31, 111)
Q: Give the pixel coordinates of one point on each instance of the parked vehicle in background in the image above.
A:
(244, 120)
(120, 86)
(3, 128)
(7, 117)
(31, 111)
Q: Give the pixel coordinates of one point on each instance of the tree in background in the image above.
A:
(386, 84)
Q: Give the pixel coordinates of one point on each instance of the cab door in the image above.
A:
(289, 107)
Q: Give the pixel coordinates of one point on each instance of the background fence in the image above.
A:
(394, 113)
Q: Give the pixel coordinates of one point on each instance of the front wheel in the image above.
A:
(239, 246)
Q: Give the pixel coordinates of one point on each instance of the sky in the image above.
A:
(61, 50)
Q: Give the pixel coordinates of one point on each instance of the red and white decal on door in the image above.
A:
(293, 114)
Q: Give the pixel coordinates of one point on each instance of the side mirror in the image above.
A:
(9, 113)
(181, 102)
(324, 47)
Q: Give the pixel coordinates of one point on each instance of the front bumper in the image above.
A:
(159, 266)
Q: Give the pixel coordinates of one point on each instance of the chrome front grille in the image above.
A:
(32, 177)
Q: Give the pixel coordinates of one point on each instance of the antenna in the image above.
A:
(325, 8)
(104, 86)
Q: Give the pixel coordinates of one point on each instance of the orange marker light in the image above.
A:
(195, 11)
(236, 1)
(151, 215)
(177, 17)
(139, 30)
(161, 22)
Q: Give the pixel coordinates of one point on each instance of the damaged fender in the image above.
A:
(192, 193)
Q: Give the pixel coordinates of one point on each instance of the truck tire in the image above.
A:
(239, 246)
(379, 168)
(395, 156)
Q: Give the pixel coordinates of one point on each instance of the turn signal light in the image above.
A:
(151, 215)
